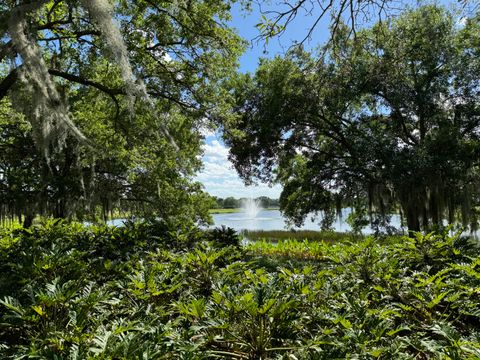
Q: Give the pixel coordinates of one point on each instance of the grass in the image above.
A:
(300, 235)
(224, 211)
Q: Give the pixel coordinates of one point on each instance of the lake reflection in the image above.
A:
(273, 220)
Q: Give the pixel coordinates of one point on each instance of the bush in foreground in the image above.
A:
(169, 291)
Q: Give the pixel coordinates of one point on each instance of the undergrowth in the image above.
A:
(310, 235)
(169, 291)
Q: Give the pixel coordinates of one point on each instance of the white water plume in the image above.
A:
(251, 207)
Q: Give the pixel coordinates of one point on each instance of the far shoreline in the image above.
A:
(235, 210)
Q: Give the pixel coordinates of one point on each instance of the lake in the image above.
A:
(273, 220)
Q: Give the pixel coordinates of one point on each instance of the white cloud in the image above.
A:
(220, 178)
(166, 57)
(215, 152)
(207, 133)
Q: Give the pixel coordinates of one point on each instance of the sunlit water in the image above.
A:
(273, 220)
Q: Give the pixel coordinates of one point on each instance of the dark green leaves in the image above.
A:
(385, 121)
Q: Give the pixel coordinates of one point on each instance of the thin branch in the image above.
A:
(80, 80)
(74, 35)
(113, 91)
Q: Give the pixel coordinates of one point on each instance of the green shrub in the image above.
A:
(225, 236)
(158, 290)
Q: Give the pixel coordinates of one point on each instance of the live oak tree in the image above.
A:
(137, 174)
(114, 95)
(166, 50)
(386, 121)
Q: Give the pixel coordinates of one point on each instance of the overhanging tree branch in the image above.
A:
(113, 91)
(7, 83)
(81, 80)
(12, 77)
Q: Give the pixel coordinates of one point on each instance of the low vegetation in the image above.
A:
(224, 211)
(311, 235)
(171, 291)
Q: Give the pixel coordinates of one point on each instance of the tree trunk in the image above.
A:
(413, 222)
(28, 220)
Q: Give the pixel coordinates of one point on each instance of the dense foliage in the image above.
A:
(132, 172)
(385, 121)
(171, 291)
(175, 52)
(103, 104)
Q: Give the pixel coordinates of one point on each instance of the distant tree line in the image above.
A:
(233, 203)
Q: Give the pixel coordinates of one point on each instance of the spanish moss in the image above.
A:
(48, 112)
(101, 12)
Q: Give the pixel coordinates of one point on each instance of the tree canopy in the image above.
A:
(103, 102)
(313, 14)
(384, 121)
(162, 50)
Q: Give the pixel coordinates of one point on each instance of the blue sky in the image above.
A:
(218, 175)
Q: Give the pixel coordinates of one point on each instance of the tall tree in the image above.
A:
(136, 172)
(387, 120)
(115, 93)
(174, 51)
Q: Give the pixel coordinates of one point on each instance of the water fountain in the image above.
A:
(251, 207)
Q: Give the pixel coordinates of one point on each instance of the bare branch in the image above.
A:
(352, 12)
